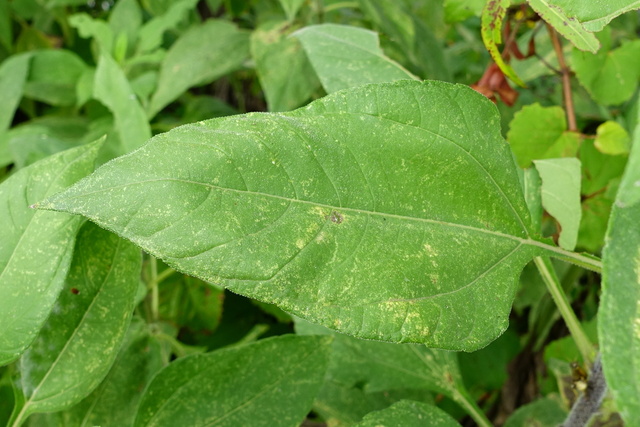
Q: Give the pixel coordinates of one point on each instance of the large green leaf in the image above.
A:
(82, 336)
(190, 62)
(369, 211)
(619, 315)
(594, 15)
(36, 246)
(345, 57)
(409, 414)
(268, 383)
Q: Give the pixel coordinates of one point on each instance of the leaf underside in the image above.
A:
(389, 212)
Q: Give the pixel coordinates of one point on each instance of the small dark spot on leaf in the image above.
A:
(75, 291)
(336, 217)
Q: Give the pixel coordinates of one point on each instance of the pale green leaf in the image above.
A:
(93, 28)
(538, 132)
(268, 383)
(345, 56)
(619, 314)
(36, 246)
(408, 413)
(561, 196)
(53, 77)
(285, 74)
(542, 412)
(568, 26)
(190, 62)
(594, 15)
(611, 138)
(81, 338)
(611, 75)
(410, 34)
(150, 35)
(493, 14)
(112, 88)
(291, 7)
(13, 75)
(318, 211)
(126, 18)
(459, 10)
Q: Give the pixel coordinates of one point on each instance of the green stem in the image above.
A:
(548, 273)
(589, 262)
(164, 274)
(462, 397)
(153, 286)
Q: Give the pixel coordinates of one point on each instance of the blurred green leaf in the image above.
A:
(189, 62)
(538, 132)
(345, 57)
(150, 35)
(542, 412)
(96, 29)
(459, 10)
(53, 77)
(13, 75)
(268, 383)
(291, 7)
(36, 248)
(407, 413)
(126, 18)
(611, 138)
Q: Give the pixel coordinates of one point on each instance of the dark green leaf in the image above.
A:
(268, 383)
(13, 75)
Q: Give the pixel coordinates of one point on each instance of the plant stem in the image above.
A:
(566, 80)
(153, 285)
(165, 273)
(463, 399)
(589, 262)
(548, 273)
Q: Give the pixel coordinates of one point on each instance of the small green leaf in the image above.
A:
(285, 73)
(93, 28)
(190, 62)
(619, 314)
(82, 336)
(611, 138)
(459, 10)
(13, 75)
(317, 211)
(568, 26)
(538, 132)
(345, 56)
(268, 383)
(53, 77)
(492, 16)
(112, 88)
(542, 412)
(561, 196)
(150, 35)
(291, 7)
(36, 248)
(611, 75)
(126, 19)
(408, 413)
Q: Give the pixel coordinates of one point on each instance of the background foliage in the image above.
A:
(446, 245)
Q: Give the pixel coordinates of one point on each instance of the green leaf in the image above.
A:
(345, 56)
(611, 138)
(126, 18)
(595, 15)
(538, 132)
(611, 75)
(36, 247)
(93, 28)
(112, 88)
(492, 16)
(542, 412)
(619, 313)
(561, 196)
(268, 383)
(291, 7)
(150, 35)
(407, 413)
(81, 338)
(318, 211)
(285, 73)
(13, 75)
(459, 10)
(53, 77)
(413, 38)
(116, 399)
(568, 26)
(190, 62)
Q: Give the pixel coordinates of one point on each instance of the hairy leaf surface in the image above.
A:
(389, 212)
(409, 413)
